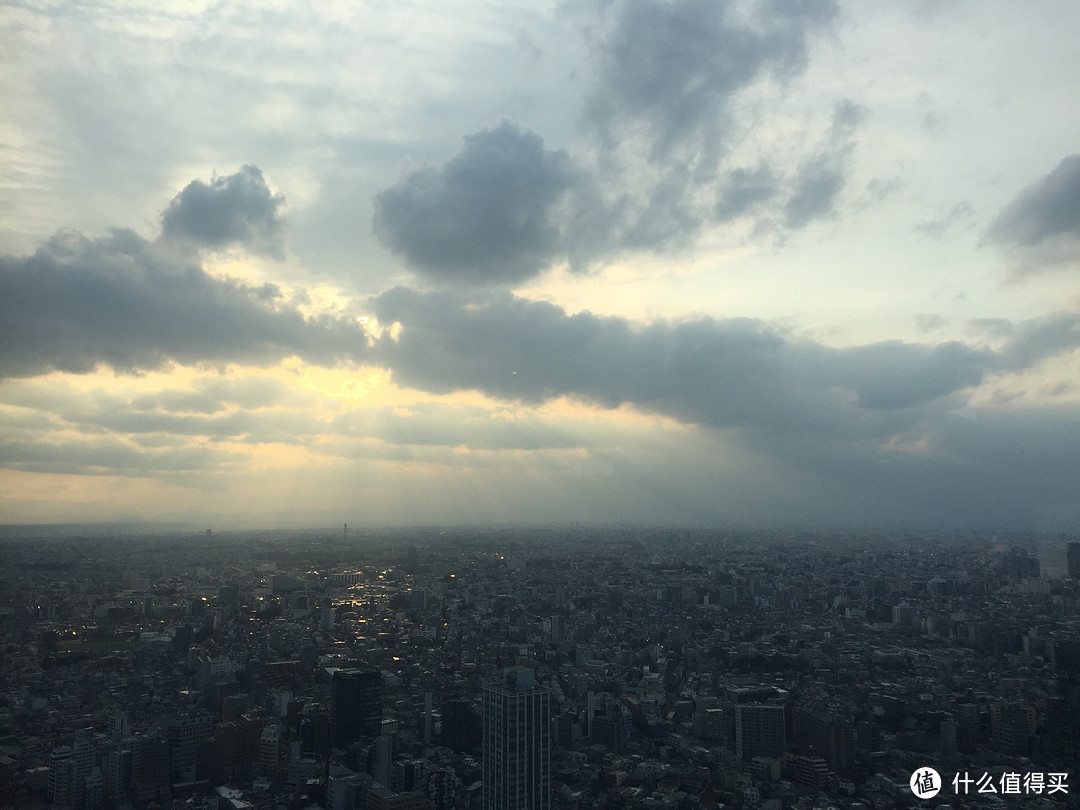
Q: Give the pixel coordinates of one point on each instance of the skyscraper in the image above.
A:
(517, 743)
(355, 706)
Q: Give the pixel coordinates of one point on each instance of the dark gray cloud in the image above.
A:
(884, 424)
(1034, 340)
(668, 70)
(742, 190)
(505, 209)
(133, 305)
(111, 456)
(487, 216)
(1050, 208)
(654, 169)
(822, 177)
(235, 208)
(720, 373)
(817, 185)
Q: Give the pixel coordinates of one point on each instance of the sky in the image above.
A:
(683, 262)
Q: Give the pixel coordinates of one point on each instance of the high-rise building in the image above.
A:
(61, 777)
(149, 765)
(462, 728)
(270, 751)
(517, 743)
(355, 706)
(314, 730)
(184, 735)
(760, 730)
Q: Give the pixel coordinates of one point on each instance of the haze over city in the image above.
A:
(638, 262)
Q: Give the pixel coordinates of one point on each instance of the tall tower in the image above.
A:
(517, 743)
(355, 706)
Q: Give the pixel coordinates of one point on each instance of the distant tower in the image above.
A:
(1072, 559)
(355, 706)
(517, 743)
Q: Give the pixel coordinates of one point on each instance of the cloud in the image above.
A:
(1049, 208)
(722, 373)
(475, 428)
(123, 302)
(939, 225)
(744, 189)
(817, 185)
(216, 394)
(235, 208)
(874, 429)
(929, 322)
(667, 71)
(1040, 228)
(1038, 338)
(653, 169)
(488, 215)
(110, 456)
(820, 179)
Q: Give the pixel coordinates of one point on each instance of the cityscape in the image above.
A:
(537, 667)
(539, 405)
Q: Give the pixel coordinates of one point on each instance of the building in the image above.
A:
(381, 798)
(269, 751)
(355, 706)
(184, 735)
(517, 743)
(61, 777)
(345, 789)
(759, 730)
(611, 725)
(462, 728)
(1072, 559)
(820, 733)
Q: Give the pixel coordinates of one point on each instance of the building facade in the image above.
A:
(517, 744)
